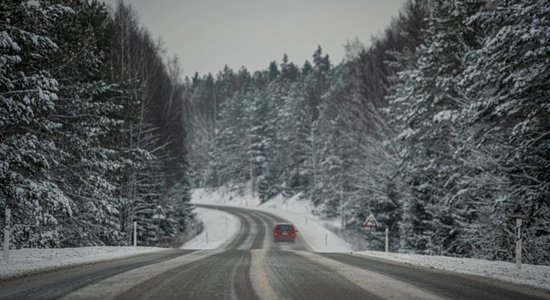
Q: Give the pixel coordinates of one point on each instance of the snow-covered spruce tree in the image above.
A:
(266, 139)
(85, 112)
(424, 107)
(233, 141)
(316, 85)
(202, 134)
(331, 147)
(295, 121)
(152, 134)
(506, 160)
(28, 96)
(374, 181)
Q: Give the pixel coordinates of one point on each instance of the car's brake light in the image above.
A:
(275, 233)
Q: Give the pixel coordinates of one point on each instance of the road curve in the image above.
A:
(252, 266)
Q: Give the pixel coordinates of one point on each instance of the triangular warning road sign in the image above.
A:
(370, 222)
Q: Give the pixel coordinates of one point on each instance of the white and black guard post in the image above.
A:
(7, 236)
(387, 242)
(135, 234)
(519, 237)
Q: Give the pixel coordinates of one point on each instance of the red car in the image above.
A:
(284, 232)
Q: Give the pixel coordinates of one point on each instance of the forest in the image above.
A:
(92, 127)
(440, 127)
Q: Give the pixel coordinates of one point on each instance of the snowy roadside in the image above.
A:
(28, 261)
(219, 228)
(223, 196)
(532, 275)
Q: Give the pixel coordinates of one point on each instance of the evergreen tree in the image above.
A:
(28, 93)
(505, 160)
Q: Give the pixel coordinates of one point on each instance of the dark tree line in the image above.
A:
(439, 128)
(92, 127)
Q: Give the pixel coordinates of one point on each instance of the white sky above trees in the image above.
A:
(206, 35)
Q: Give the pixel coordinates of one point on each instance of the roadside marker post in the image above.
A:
(135, 234)
(519, 222)
(387, 243)
(326, 239)
(7, 236)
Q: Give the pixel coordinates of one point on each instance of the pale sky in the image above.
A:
(206, 35)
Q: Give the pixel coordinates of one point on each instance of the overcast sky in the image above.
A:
(206, 35)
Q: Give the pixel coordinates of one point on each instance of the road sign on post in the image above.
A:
(159, 213)
(370, 222)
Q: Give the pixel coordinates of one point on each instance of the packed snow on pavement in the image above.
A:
(26, 261)
(219, 228)
(313, 229)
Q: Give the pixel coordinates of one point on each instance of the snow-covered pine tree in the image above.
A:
(294, 129)
(85, 112)
(427, 103)
(328, 190)
(506, 159)
(28, 96)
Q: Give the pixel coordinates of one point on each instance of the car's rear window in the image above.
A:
(285, 227)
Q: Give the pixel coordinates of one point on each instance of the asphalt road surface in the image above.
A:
(252, 266)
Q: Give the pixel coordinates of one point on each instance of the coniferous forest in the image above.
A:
(92, 134)
(440, 127)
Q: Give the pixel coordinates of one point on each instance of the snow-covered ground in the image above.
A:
(224, 196)
(219, 228)
(313, 229)
(25, 261)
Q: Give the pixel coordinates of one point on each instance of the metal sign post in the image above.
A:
(159, 214)
(518, 242)
(7, 236)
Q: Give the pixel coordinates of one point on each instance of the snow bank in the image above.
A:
(219, 228)
(224, 196)
(25, 261)
(533, 275)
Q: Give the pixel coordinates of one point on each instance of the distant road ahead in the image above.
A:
(252, 266)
